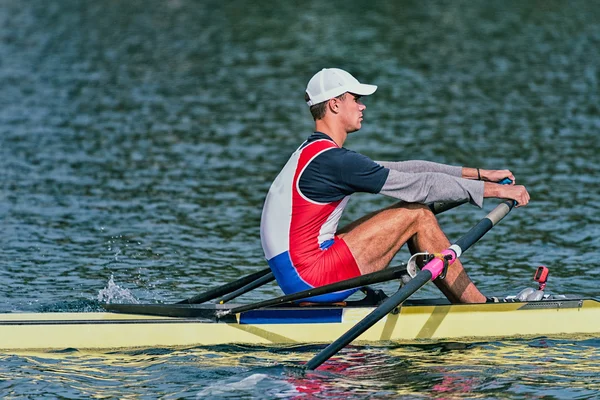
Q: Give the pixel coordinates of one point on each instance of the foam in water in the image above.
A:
(250, 385)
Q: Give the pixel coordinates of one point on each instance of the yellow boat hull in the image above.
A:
(107, 330)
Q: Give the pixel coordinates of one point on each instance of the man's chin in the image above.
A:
(356, 128)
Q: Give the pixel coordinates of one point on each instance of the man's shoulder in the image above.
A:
(334, 156)
(340, 158)
(319, 136)
(351, 156)
(318, 139)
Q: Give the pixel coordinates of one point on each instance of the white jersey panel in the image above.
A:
(277, 211)
(330, 226)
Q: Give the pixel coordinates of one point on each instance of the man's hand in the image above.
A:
(517, 193)
(491, 175)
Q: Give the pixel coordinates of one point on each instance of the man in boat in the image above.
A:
(299, 227)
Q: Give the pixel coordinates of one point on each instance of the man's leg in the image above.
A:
(377, 237)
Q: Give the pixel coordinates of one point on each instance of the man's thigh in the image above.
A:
(375, 238)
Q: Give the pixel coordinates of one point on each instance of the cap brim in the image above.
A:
(362, 89)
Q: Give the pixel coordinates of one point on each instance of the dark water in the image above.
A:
(138, 140)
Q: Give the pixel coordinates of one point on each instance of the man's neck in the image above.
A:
(338, 134)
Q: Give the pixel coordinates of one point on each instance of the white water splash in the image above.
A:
(249, 386)
(113, 293)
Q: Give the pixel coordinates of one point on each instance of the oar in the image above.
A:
(245, 289)
(227, 288)
(438, 207)
(363, 280)
(428, 273)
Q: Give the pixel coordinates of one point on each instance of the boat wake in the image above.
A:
(256, 384)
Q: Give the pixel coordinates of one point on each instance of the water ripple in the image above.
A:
(138, 140)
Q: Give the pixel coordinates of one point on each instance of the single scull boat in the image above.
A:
(197, 324)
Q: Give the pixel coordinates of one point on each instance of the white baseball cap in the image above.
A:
(331, 82)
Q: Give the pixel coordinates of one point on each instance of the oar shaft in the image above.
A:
(363, 280)
(384, 308)
(252, 285)
(225, 289)
(438, 207)
(482, 227)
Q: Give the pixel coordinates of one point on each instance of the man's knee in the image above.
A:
(414, 212)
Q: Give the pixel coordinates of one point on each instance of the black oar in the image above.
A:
(438, 207)
(428, 273)
(363, 280)
(227, 288)
(245, 289)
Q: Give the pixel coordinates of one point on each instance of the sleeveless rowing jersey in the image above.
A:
(301, 213)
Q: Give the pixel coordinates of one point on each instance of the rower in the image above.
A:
(299, 225)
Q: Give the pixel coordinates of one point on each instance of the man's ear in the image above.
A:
(333, 105)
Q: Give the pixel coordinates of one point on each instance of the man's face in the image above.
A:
(351, 112)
